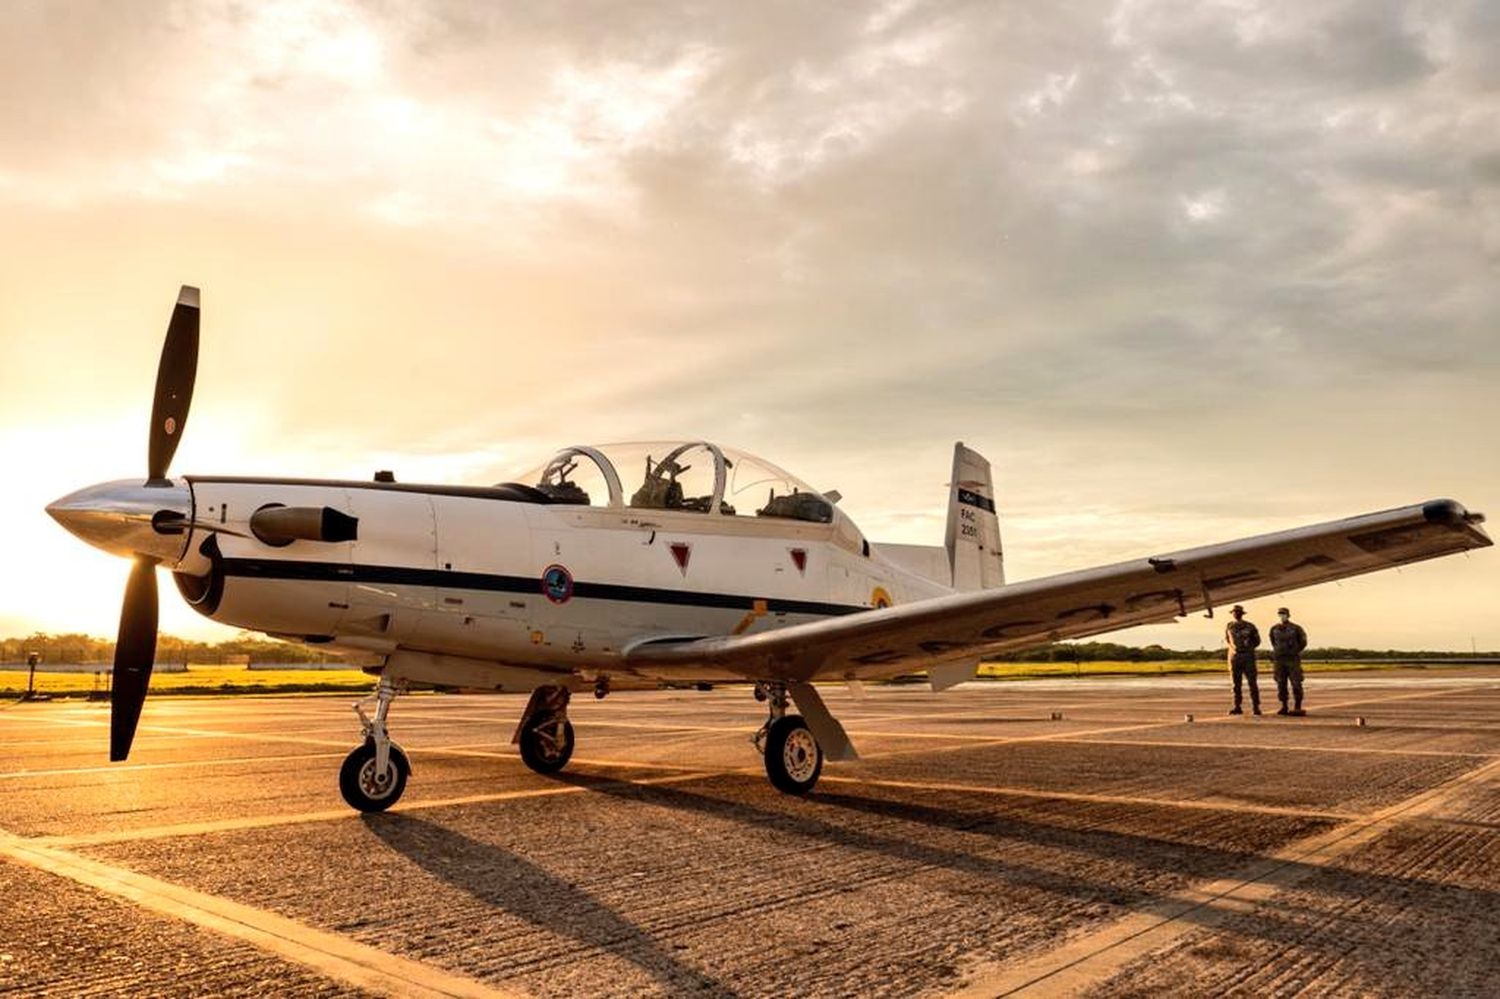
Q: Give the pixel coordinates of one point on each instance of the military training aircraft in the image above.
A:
(680, 562)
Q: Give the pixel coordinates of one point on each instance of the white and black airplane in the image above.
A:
(679, 562)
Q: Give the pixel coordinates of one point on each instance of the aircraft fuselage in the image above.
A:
(464, 572)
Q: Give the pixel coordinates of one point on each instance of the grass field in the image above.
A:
(199, 680)
(1024, 671)
(241, 680)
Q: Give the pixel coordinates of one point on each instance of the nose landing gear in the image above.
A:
(794, 760)
(373, 776)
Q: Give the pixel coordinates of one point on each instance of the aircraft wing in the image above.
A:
(970, 626)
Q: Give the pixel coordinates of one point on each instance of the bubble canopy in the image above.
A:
(685, 476)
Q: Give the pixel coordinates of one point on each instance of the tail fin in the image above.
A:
(973, 529)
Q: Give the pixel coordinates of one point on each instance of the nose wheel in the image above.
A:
(367, 787)
(374, 774)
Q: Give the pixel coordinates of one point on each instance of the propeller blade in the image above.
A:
(174, 385)
(135, 650)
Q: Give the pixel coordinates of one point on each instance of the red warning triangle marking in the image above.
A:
(799, 559)
(681, 552)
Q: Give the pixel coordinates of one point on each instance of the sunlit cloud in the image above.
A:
(1184, 271)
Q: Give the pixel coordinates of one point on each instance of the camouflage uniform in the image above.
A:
(1287, 642)
(1243, 638)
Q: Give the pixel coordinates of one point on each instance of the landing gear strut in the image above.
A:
(793, 757)
(374, 774)
(545, 735)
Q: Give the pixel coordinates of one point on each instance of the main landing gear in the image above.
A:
(545, 735)
(374, 775)
(793, 757)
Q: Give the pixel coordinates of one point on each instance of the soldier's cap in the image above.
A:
(1236, 609)
(1283, 610)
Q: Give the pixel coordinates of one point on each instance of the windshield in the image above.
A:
(688, 476)
(577, 476)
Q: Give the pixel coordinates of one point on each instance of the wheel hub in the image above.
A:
(376, 785)
(800, 755)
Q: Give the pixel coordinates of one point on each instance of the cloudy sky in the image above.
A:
(1184, 271)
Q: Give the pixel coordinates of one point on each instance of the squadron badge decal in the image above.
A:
(557, 584)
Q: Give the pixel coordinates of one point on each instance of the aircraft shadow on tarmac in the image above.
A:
(502, 880)
(1432, 914)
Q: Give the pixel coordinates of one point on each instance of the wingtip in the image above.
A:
(1453, 514)
(188, 296)
(1445, 511)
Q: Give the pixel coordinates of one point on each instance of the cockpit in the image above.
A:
(691, 477)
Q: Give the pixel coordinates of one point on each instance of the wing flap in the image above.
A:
(1078, 604)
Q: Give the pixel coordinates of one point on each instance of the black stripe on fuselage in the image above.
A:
(343, 572)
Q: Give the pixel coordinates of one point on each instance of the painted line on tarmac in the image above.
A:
(1277, 747)
(1104, 799)
(1010, 740)
(200, 733)
(1133, 727)
(1093, 959)
(1418, 695)
(662, 726)
(334, 815)
(852, 727)
(115, 768)
(477, 751)
(329, 954)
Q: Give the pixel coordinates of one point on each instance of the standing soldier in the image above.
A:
(1287, 642)
(1243, 638)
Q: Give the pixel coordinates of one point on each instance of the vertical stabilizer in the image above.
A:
(973, 529)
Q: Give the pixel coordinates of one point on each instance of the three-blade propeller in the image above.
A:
(135, 646)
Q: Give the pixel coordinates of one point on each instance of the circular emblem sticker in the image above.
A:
(557, 584)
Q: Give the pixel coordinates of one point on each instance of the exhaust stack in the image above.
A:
(279, 526)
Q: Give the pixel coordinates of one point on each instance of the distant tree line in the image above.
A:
(248, 648)
(244, 648)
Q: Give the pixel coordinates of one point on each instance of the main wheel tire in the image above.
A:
(363, 788)
(542, 752)
(793, 757)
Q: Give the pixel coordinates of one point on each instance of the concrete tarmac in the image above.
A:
(979, 847)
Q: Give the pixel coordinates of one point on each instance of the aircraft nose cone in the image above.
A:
(128, 518)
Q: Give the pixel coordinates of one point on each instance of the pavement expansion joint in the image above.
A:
(328, 954)
(334, 815)
(1106, 799)
(1094, 957)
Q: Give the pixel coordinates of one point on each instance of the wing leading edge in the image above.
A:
(968, 626)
